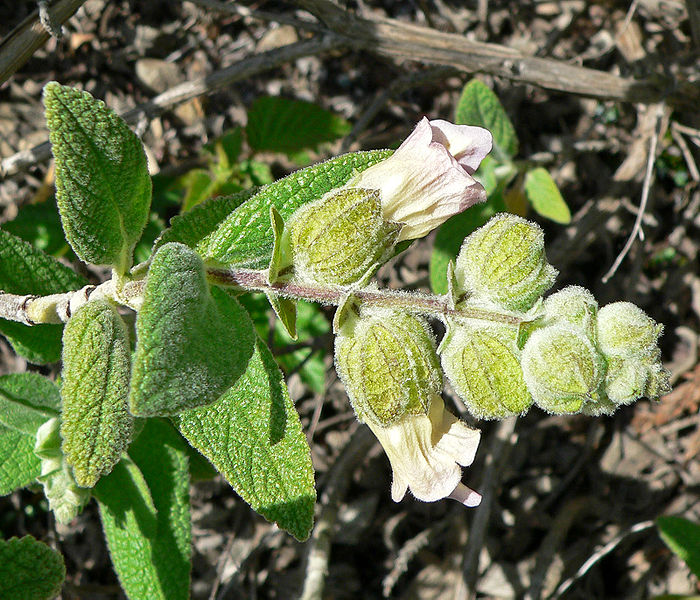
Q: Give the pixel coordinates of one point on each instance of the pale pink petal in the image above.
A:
(469, 145)
(429, 177)
(425, 452)
(466, 496)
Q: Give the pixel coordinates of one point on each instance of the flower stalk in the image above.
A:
(57, 308)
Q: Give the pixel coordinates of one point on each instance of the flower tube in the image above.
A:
(429, 177)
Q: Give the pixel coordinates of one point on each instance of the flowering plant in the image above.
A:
(122, 425)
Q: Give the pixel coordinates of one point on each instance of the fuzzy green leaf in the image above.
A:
(66, 498)
(19, 466)
(253, 436)
(683, 538)
(283, 125)
(245, 238)
(311, 323)
(189, 228)
(26, 270)
(286, 311)
(278, 250)
(96, 425)
(103, 187)
(29, 570)
(27, 401)
(478, 105)
(148, 528)
(545, 197)
(193, 342)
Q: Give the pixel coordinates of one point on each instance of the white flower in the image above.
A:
(427, 452)
(429, 177)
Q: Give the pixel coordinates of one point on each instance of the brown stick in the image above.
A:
(394, 38)
(21, 43)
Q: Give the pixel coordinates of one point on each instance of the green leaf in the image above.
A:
(19, 466)
(27, 401)
(29, 570)
(253, 436)
(148, 528)
(102, 184)
(26, 270)
(286, 311)
(545, 197)
(244, 238)
(228, 148)
(311, 324)
(683, 538)
(96, 425)
(283, 125)
(40, 225)
(450, 236)
(189, 228)
(478, 105)
(193, 342)
(198, 186)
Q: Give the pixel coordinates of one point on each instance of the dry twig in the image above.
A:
(21, 43)
(646, 187)
(600, 554)
(499, 450)
(319, 546)
(395, 38)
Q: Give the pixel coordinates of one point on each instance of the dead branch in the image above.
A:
(21, 43)
(394, 38)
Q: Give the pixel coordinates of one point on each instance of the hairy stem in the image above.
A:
(58, 308)
(438, 306)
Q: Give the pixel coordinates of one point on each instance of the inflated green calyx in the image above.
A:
(339, 238)
(504, 262)
(626, 330)
(573, 304)
(389, 366)
(625, 380)
(562, 368)
(483, 365)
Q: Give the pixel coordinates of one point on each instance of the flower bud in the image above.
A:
(66, 498)
(504, 261)
(625, 380)
(338, 239)
(626, 330)
(482, 363)
(573, 304)
(562, 368)
(388, 364)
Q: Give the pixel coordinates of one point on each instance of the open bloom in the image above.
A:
(427, 452)
(388, 364)
(429, 177)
